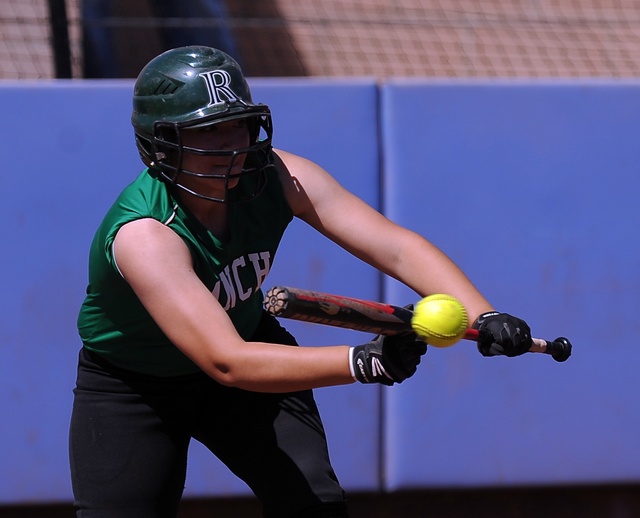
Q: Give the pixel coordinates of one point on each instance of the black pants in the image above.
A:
(130, 433)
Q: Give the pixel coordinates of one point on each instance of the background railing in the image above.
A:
(336, 38)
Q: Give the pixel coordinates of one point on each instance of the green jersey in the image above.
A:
(114, 323)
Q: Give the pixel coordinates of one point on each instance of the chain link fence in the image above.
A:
(381, 38)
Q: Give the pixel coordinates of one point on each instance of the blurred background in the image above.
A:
(275, 38)
(580, 137)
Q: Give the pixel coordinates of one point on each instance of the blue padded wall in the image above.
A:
(335, 125)
(531, 188)
(67, 153)
(69, 150)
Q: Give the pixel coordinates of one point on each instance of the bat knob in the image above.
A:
(275, 300)
(562, 349)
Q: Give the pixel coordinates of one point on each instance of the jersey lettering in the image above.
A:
(231, 278)
(239, 263)
(261, 271)
(218, 82)
(225, 277)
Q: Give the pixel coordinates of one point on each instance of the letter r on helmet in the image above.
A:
(218, 82)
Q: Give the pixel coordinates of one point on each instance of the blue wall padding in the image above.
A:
(532, 189)
(529, 186)
(315, 119)
(68, 149)
(66, 153)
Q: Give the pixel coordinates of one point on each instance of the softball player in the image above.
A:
(176, 344)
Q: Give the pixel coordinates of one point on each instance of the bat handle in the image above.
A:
(559, 349)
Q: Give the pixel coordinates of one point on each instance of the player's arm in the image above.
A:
(321, 201)
(157, 264)
(318, 199)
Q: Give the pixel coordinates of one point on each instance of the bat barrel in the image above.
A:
(348, 313)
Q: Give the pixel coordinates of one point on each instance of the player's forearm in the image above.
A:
(263, 367)
(408, 257)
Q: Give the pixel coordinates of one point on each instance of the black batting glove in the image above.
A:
(387, 359)
(502, 334)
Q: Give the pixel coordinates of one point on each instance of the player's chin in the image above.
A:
(233, 182)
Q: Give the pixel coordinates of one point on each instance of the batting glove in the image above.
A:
(502, 334)
(387, 359)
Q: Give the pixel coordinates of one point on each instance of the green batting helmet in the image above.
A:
(193, 87)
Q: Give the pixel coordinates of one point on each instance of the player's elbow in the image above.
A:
(223, 373)
(229, 372)
(224, 365)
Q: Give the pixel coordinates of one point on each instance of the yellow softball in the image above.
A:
(440, 320)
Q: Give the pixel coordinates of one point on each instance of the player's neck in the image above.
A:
(214, 216)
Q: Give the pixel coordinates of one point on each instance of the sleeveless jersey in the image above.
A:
(114, 323)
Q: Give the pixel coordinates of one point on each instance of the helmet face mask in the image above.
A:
(170, 152)
(198, 88)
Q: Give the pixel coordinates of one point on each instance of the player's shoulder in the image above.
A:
(305, 182)
(297, 167)
(289, 160)
(145, 197)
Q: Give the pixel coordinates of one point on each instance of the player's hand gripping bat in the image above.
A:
(371, 317)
